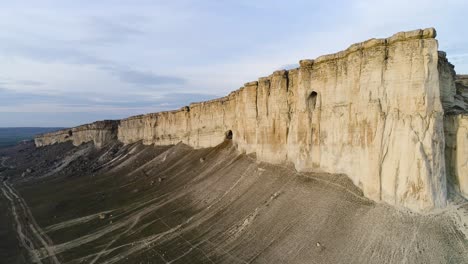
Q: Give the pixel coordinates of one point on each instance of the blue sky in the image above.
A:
(68, 62)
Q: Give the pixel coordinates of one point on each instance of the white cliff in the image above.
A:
(98, 132)
(374, 112)
(456, 134)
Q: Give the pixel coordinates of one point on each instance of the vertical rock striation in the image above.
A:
(374, 112)
(456, 134)
(461, 95)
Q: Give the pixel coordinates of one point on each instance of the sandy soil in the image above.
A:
(147, 204)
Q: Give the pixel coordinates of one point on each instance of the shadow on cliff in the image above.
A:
(174, 204)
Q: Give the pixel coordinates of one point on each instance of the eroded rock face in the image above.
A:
(374, 112)
(456, 135)
(461, 96)
(99, 132)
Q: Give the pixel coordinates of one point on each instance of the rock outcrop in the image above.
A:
(374, 112)
(99, 132)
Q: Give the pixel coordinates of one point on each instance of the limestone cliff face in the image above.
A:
(461, 96)
(99, 132)
(374, 112)
(455, 102)
(456, 134)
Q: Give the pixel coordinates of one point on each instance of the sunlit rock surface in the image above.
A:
(374, 112)
(98, 132)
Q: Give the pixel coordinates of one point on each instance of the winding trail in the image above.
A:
(75, 221)
(3, 161)
(31, 236)
(218, 206)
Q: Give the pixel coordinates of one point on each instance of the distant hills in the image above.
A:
(10, 136)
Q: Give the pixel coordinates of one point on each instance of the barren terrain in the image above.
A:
(174, 204)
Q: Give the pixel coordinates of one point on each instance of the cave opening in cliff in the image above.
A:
(312, 100)
(70, 133)
(229, 134)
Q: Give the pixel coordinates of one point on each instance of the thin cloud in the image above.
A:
(110, 31)
(52, 54)
(9, 82)
(14, 102)
(147, 78)
(29, 83)
(126, 56)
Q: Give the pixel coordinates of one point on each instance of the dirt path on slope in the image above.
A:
(3, 162)
(147, 204)
(31, 236)
(3, 165)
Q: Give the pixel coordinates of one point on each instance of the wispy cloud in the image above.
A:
(146, 78)
(74, 102)
(117, 58)
(7, 82)
(29, 83)
(111, 31)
